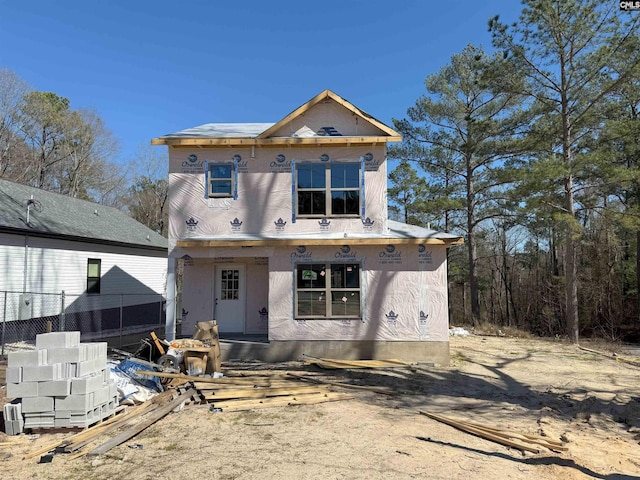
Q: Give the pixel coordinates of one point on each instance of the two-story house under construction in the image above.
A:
(283, 229)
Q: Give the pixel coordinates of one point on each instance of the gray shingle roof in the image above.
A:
(52, 214)
(395, 231)
(223, 130)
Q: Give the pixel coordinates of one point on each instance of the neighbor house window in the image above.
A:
(93, 275)
(328, 290)
(328, 189)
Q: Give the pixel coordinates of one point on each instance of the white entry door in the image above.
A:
(230, 298)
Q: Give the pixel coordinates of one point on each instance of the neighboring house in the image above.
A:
(284, 231)
(103, 260)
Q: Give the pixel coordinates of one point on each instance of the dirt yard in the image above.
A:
(591, 402)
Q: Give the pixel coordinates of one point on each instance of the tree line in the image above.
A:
(532, 153)
(45, 143)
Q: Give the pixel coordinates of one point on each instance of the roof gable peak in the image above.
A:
(328, 97)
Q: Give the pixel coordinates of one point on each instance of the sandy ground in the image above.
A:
(589, 401)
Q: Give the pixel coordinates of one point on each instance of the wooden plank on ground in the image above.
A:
(336, 363)
(91, 431)
(264, 392)
(383, 391)
(133, 431)
(134, 415)
(509, 439)
(310, 399)
(195, 378)
(229, 386)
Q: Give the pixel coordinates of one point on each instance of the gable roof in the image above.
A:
(246, 134)
(54, 215)
(328, 94)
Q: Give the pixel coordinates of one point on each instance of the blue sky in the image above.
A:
(150, 68)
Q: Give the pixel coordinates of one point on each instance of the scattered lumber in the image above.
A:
(612, 356)
(218, 381)
(263, 392)
(289, 400)
(254, 384)
(383, 391)
(156, 340)
(134, 430)
(336, 364)
(78, 443)
(504, 437)
(97, 429)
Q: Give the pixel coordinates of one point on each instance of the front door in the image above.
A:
(230, 298)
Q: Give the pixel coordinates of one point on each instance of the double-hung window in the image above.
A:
(93, 275)
(328, 189)
(220, 180)
(328, 290)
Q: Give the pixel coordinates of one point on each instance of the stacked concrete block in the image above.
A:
(13, 421)
(63, 383)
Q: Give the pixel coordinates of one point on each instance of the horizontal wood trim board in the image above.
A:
(296, 242)
(237, 142)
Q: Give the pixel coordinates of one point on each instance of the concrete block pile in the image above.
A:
(62, 383)
(13, 421)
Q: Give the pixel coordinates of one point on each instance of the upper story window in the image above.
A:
(220, 181)
(221, 178)
(328, 189)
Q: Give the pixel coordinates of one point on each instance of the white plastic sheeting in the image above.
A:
(404, 293)
(265, 197)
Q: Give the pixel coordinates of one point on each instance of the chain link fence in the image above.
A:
(96, 317)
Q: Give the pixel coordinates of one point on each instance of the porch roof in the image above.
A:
(397, 233)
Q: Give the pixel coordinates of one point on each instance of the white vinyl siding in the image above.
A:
(56, 265)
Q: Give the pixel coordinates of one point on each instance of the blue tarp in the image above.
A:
(130, 368)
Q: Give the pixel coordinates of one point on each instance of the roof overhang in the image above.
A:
(77, 238)
(278, 242)
(274, 141)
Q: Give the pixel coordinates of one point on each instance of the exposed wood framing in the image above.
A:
(274, 242)
(277, 141)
